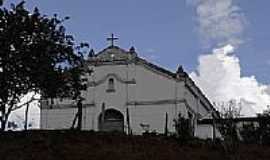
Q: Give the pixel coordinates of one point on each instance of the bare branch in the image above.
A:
(26, 103)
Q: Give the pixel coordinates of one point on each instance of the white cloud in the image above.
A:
(219, 76)
(267, 90)
(220, 22)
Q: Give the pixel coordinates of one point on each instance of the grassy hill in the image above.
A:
(72, 145)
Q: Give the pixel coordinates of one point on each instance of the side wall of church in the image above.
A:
(197, 104)
(204, 131)
(62, 118)
(57, 118)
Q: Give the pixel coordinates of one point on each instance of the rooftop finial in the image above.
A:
(91, 53)
(132, 50)
(180, 70)
(112, 39)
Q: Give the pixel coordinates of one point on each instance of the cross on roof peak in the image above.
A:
(112, 39)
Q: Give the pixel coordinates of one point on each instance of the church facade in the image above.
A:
(129, 94)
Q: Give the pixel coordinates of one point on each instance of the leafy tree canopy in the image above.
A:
(37, 55)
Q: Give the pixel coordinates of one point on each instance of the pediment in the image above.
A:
(105, 78)
(114, 53)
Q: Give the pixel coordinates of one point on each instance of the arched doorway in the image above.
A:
(112, 120)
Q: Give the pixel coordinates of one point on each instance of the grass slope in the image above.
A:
(71, 145)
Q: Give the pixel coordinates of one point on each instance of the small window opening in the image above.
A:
(111, 87)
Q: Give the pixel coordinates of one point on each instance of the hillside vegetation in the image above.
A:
(75, 145)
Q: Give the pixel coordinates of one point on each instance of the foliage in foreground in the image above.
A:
(36, 55)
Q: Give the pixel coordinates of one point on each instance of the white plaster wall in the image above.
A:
(204, 113)
(153, 86)
(63, 118)
(191, 100)
(150, 86)
(154, 115)
(88, 119)
(101, 71)
(117, 98)
(57, 118)
(194, 103)
(204, 131)
(180, 90)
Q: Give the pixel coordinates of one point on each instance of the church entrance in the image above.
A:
(112, 120)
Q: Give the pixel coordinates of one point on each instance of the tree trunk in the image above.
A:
(3, 120)
(102, 116)
(3, 125)
(166, 125)
(79, 105)
(26, 117)
(128, 122)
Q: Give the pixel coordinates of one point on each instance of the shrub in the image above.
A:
(183, 128)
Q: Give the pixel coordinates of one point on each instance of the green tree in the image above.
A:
(229, 111)
(264, 127)
(227, 125)
(259, 131)
(250, 133)
(36, 55)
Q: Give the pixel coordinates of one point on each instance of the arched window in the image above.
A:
(111, 87)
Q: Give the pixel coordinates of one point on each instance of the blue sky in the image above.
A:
(164, 31)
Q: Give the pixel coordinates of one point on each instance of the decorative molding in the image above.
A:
(157, 102)
(162, 102)
(189, 84)
(110, 90)
(191, 91)
(66, 106)
(118, 78)
(115, 62)
(203, 99)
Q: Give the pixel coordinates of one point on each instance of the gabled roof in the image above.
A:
(115, 55)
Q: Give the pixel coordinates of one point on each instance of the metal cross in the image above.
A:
(112, 39)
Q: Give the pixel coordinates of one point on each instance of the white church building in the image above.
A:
(130, 94)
